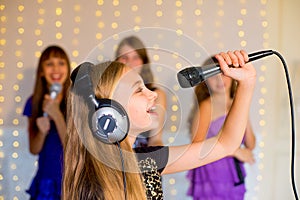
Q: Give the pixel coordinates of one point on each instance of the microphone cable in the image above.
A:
(123, 170)
(293, 136)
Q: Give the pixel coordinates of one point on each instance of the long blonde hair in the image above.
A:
(92, 169)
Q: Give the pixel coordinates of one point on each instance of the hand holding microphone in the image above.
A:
(192, 76)
(54, 90)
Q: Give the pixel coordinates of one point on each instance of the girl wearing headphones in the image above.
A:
(95, 170)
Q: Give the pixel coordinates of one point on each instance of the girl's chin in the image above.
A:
(146, 127)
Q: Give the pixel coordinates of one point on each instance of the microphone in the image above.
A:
(192, 76)
(54, 91)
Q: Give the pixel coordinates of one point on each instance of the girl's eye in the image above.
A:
(140, 89)
(49, 63)
(62, 63)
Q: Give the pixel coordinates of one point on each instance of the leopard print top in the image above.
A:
(152, 161)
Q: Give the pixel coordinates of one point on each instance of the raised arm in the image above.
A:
(230, 136)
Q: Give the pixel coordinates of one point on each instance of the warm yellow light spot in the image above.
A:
(21, 8)
(262, 13)
(114, 25)
(240, 22)
(19, 42)
(77, 8)
(41, 11)
(179, 32)
(262, 122)
(241, 33)
(243, 11)
(37, 32)
(172, 181)
(243, 43)
(16, 87)
(264, 24)
(58, 36)
(58, 11)
(99, 36)
(159, 2)
(100, 2)
(173, 118)
(178, 3)
(21, 30)
(77, 19)
(98, 13)
(14, 155)
(262, 111)
(176, 87)
(40, 21)
(137, 19)
(3, 30)
(221, 13)
(178, 65)
(197, 12)
(134, 8)
(159, 13)
(116, 2)
(75, 53)
(100, 24)
(20, 76)
(58, 24)
(20, 19)
(76, 31)
(174, 108)
(2, 7)
(261, 101)
(18, 53)
(117, 13)
(179, 13)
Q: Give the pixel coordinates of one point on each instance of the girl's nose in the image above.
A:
(151, 94)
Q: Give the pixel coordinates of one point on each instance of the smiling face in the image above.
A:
(138, 101)
(55, 70)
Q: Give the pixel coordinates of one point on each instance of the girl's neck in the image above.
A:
(131, 138)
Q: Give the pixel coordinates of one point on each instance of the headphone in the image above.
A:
(108, 120)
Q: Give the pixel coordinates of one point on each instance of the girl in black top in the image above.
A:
(93, 169)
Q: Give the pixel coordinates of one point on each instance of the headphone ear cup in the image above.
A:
(109, 123)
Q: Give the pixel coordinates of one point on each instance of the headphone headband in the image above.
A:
(108, 120)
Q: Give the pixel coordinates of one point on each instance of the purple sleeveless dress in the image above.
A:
(220, 180)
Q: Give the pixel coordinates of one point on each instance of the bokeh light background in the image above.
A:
(27, 27)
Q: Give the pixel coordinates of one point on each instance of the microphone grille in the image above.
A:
(183, 80)
(55, 87)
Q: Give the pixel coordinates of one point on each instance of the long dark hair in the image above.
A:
(41, 86)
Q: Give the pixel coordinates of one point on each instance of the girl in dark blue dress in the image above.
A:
(46, 112)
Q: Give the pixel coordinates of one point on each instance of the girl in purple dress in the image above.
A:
(222, 179)
(46, 123)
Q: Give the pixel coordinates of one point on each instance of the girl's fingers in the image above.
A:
(226, 57)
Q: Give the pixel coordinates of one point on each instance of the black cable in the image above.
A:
(293, 142)
(239, 172)
(123, 170)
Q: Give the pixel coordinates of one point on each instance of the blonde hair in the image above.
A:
(92, 169)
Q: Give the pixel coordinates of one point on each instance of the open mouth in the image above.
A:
(151, 109)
